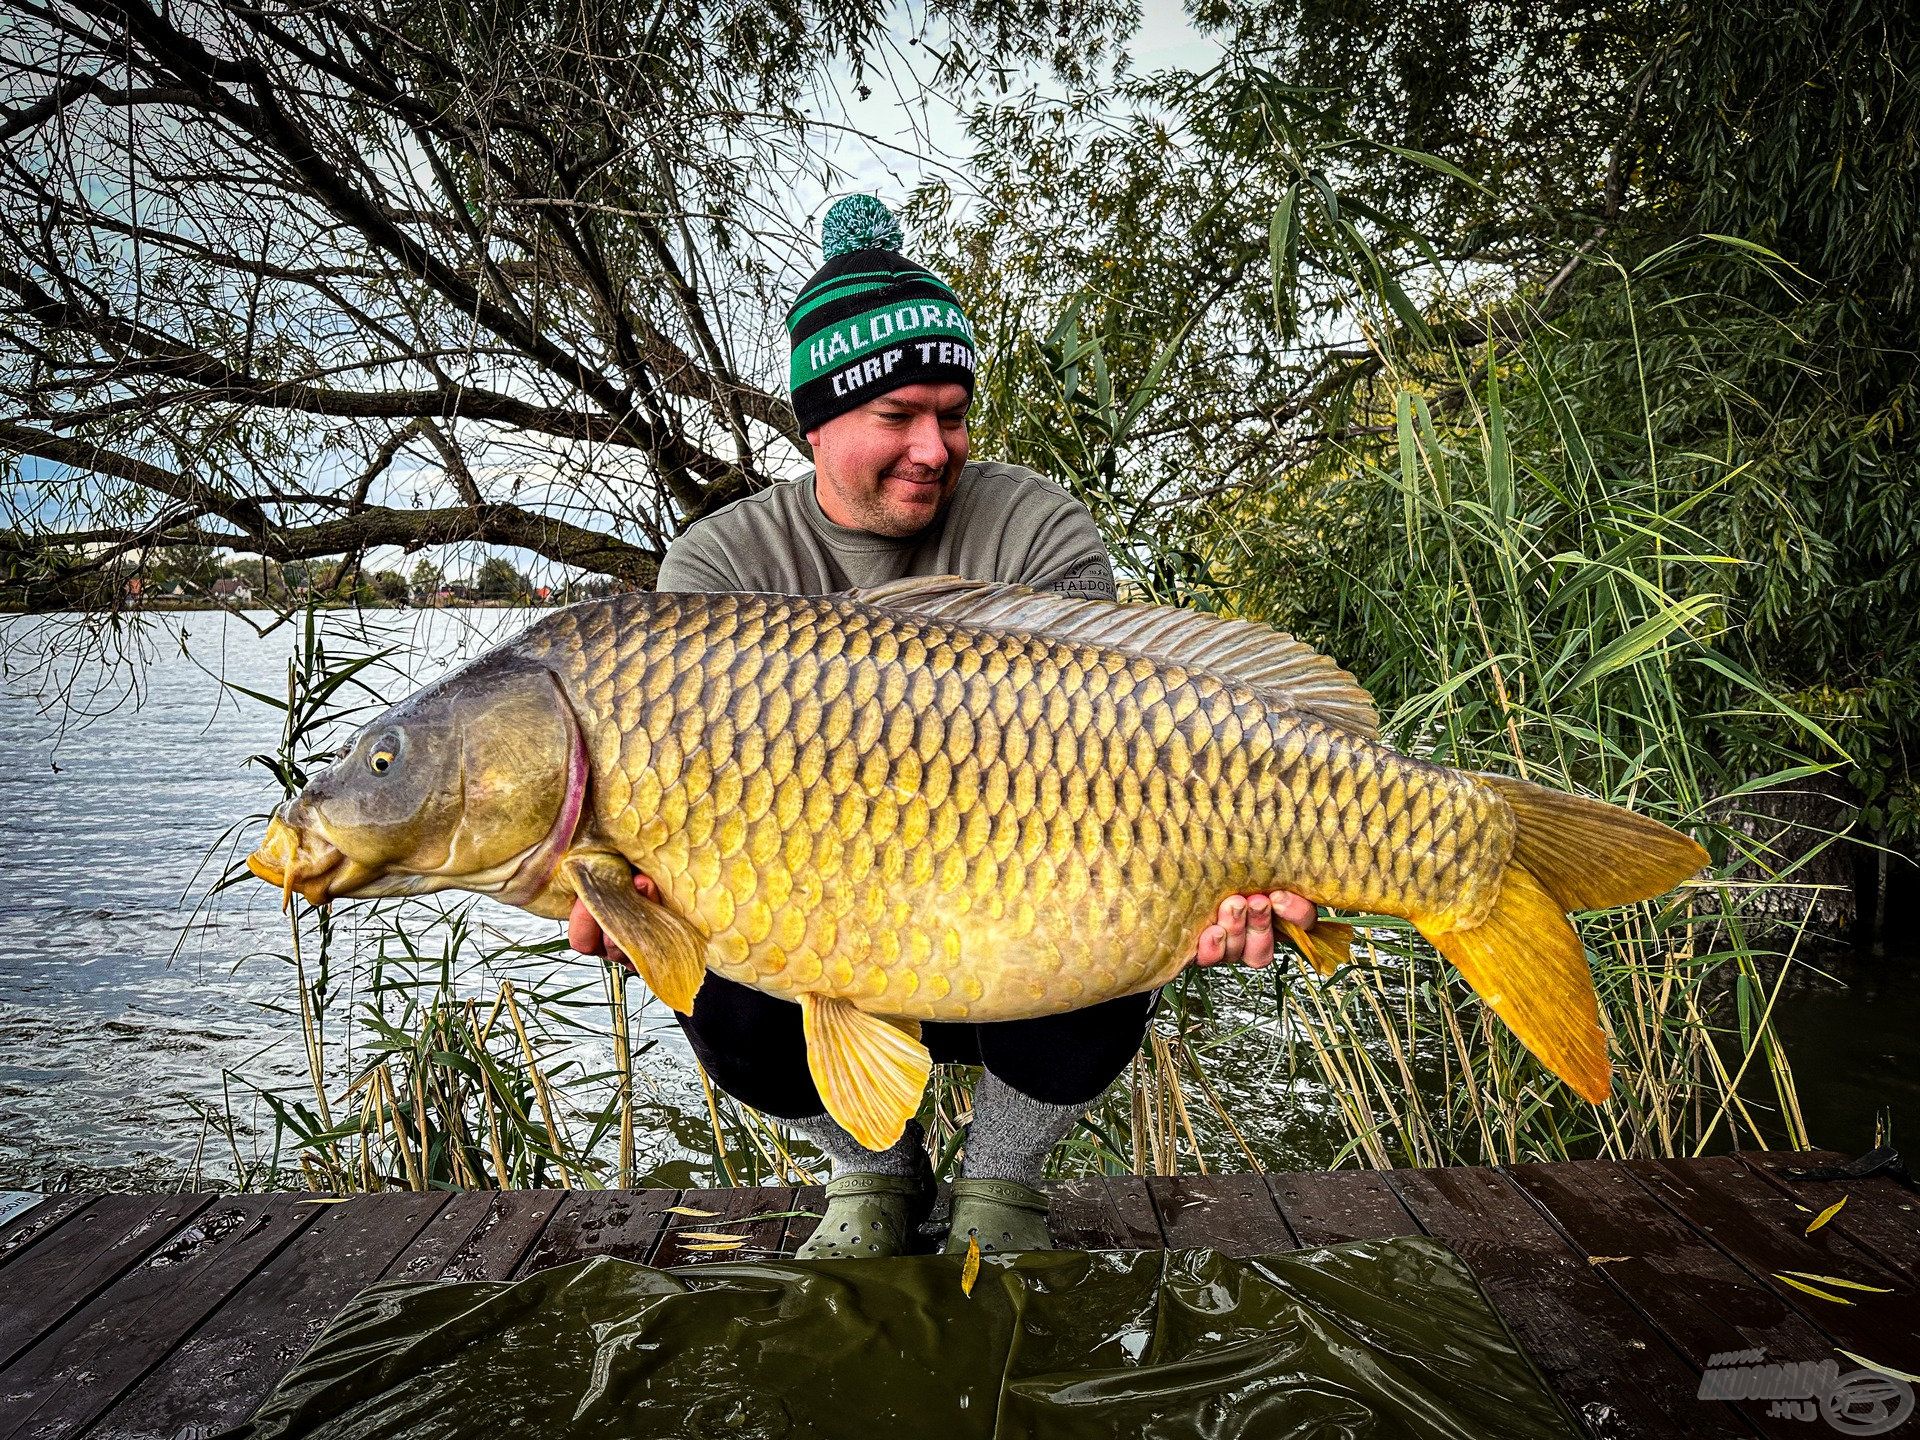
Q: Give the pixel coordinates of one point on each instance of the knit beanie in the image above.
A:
(870, 320)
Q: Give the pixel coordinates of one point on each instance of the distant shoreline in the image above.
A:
(172, 606)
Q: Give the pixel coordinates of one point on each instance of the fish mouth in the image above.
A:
(292, 861)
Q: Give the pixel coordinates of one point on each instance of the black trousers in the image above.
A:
(752, 1046)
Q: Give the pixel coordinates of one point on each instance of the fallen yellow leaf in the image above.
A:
(1836, 1280)
(1606, 1259)
(712, 1247)
(1811, 1290)
(711, 1235)
(1826, 1215)
(970, 1267)
(689, 1210)
(1878, 1368)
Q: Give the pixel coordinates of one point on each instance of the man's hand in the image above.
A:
(1243, 931)
(583, 931)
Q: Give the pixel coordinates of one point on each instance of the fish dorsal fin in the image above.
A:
(1244, 652)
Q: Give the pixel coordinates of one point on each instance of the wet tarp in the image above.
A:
(1376, 1338)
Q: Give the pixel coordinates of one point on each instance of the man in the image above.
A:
(882, 377)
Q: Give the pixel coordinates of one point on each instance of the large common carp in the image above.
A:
(945, 800)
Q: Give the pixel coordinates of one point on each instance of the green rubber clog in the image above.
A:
(868, 1216)
(1004, 1215)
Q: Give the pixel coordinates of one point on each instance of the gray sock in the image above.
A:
(849, 1155)
(1012, 1133)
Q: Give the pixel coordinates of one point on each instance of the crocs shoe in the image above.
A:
(868, 1217)
(1003, 1215)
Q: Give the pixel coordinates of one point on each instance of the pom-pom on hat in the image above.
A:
(870, 320)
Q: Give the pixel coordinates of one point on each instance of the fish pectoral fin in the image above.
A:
(669, 953)
(870, 1072)
(1526, 962)
(1327, 946)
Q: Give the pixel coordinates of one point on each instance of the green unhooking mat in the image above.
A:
(1377, 1338)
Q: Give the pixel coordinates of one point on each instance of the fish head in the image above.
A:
(475, 783)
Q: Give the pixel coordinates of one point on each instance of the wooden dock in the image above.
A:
(171, 1316)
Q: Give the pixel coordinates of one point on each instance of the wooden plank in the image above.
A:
(440, 1240)
(622, 1223)
(1705, 1306)
(1080, 1215)
(1104, 1212)
(192, 1326)
(222, 1372)
(763, 1238)
(1331, 1207)
(1233, 1214)
(1881, 1215)
(506, 1231)
(82, 1256)
(800, 1228)
(25, 1228)
(1607, 1364)
(106, 1345)
(1759, 1227)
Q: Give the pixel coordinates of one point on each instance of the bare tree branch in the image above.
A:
(477, 520)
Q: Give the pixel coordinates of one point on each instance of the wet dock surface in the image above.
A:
(172, 1316)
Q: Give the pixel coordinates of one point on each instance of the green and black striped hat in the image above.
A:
(870, 320)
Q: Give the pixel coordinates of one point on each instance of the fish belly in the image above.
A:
(947, 824)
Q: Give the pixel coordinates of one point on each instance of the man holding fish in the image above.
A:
(882, 378)
(849, 834)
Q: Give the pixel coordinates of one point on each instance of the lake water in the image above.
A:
(129, 999)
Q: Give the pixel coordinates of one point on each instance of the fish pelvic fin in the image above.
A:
(669, 953)
(870, 1071)
(1327, 946)
(1589, 854)
(1525, 961)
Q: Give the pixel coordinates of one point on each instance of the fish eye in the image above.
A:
(383, 756)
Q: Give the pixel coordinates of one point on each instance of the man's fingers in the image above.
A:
(584, 935)
(583, 931)
(1296, 909)
(1233, 920)
(1212, 948)
(1259, 951)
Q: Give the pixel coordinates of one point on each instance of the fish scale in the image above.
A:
(943, 824)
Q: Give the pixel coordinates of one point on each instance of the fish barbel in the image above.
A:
(948, 800)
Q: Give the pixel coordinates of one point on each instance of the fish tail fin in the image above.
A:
(1526, 962)
(1588, 854)
(1524, 958)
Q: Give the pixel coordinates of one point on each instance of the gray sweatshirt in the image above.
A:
(1003, 522)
